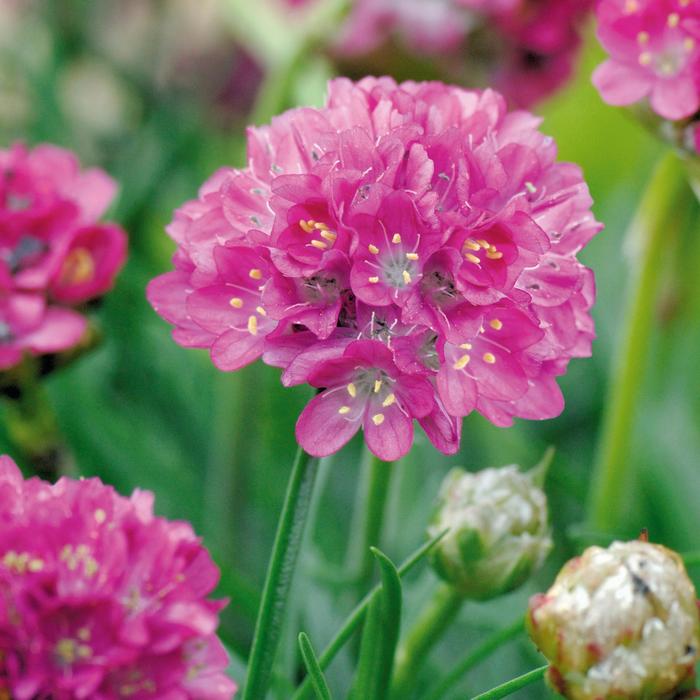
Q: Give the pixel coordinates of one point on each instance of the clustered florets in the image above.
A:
(100, 599)
(654, 48)
(410, 250)
(54, 255)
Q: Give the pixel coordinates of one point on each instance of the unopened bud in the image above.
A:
(619, 623)
(497, 530)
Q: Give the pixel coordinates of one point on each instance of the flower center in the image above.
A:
(320, 236)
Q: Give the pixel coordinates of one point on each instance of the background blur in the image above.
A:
(158, 93)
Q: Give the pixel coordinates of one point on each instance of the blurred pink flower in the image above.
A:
(524, 48)
(410, 250)
(53, 252)
(654, 48)
(101, 599)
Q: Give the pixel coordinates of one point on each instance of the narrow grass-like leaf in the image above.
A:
(318, 680)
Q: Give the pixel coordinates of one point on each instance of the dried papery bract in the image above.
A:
(619, 623)
(101, 599)
(497, 530)
(409, 250)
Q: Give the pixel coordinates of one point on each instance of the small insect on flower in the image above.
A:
(408, 249)
(101, 599)
(619, 623)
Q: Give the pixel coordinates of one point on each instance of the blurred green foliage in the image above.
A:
(217, 449)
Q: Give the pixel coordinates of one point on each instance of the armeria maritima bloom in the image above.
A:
(100, 599)
(524, 48)
(54, 254)
(654, 48)
(619, 623)
(409, 250)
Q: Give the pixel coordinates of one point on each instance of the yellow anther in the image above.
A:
(466, 346)
(319, 244)
(66, 650)
(373, 249)
(406, 277)
(412, 256)
(35, 565)
(83, 634)
(352, 390)
(377, 386)
(489, 358)
(329, 236)
(462, 362)
(643, 37)
(530, 187)
(253, 325)
(494, 255)
(645, 58)
(78, 267)
(631, 6)
(471, 245)
(261, 311)
(473, 258)
(396, 238)
(320, 226)
(306, 226)
(236, 302)
(255, 274)
(378, 418)
(496, 324)
(674, 19)
(483, 243)
(688, 44)
(344, 410)
(373, 280)
(100, 515)
(84, 651)
(389, 400)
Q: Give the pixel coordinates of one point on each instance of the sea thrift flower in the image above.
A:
(409, 250)
(54, 255)
(620, 622)
(101, 599)
(524, 48)
(498, 532)
(654, 48)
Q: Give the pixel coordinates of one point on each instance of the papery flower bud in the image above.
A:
(101, 599)
(498, 531)
(619, 623)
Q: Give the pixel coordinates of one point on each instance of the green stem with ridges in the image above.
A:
(510, 687)
(432, 623)
(476, 656)
(280, 572)
(654, 223)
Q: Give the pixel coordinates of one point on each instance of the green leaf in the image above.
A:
(313, 669)
(380, 636)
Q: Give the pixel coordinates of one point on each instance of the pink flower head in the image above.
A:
(54, 255)
(101, 599)
(408, 249)
(524, 48)
(654, 48)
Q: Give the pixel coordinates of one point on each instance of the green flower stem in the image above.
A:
(31, 424)
(368, 521)
(432, 623)
(653, 225)
(280, 572)
(476, 656)
(356, 616)
(510, 687)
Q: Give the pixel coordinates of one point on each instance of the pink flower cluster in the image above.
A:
(654, 48)
(100, 599)
(410, 250)
(54, 255)
(524, 48)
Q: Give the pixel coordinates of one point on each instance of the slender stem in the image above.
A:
(510, 687)
(653, 225)
(355, 618)
(369, 520)
(280, 572)
(432, 623)
(476, 656)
